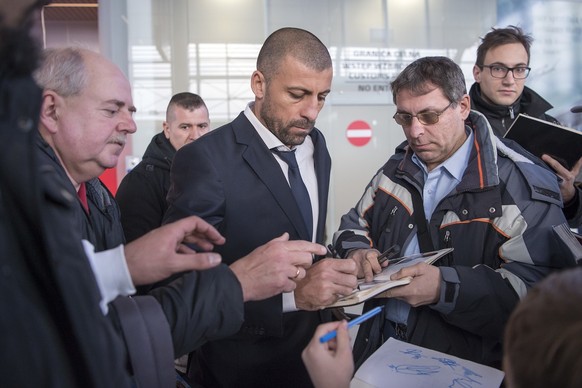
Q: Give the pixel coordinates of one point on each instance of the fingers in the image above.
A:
(412, 271)
(299, 274)
(343, 338)
(309, 250)
(567, 188)
(297, 252)
(325, 328)
(577, 167)
(554, 164)
(196, 261)
(367, 262)
(197, 231)
(424, 287)
(370, 264)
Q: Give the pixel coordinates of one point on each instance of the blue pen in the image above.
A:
(353, 322)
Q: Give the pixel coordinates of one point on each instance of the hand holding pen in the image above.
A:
(330, 364)
(370, 262)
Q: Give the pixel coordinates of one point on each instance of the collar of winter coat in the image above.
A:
(160, 152)
(96, 190)
(529, 102)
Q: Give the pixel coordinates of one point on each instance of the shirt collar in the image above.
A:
(457, 163)
(267, 136)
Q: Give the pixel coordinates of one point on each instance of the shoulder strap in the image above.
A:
(148, 340)
(423, 234)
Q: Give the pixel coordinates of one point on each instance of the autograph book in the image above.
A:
(382, 282)
(542, 137)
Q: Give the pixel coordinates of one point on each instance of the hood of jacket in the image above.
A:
(159, 152)
(529, 102)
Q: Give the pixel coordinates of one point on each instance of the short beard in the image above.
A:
(279, 129)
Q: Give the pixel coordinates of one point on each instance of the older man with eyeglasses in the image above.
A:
(452, 184)
(499, 92)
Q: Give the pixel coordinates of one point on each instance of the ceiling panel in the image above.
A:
(71, 10)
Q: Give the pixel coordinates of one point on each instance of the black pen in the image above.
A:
(389, 254)
(331, 252)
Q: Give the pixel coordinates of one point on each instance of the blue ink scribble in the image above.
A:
(447, 362)
(416, 370)
(414, 353)
(468, 373)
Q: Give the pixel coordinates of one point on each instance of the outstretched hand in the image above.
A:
(275, 267)
(162, 252)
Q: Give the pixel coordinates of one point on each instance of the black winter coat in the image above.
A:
(199, 306)
(52, 332)
(142, 192)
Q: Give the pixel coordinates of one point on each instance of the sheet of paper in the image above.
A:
(405, 261)
(399, 364)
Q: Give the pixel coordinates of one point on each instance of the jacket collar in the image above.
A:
(529, 102)
(160, 152)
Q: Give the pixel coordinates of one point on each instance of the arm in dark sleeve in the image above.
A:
(201, 306)
(196, 187)
(141, 207)
(573, 209)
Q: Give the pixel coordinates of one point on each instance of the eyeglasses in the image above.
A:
(499, 71)
(426, 118)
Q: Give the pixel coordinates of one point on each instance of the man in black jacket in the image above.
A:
(499, 92)
(142, 192)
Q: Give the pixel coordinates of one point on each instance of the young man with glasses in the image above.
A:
(500, 71)
(451, 184)
(499, 92)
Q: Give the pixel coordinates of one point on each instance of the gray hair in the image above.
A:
(425, 73)
(62, 70)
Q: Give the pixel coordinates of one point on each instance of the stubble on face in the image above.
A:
(283, 130)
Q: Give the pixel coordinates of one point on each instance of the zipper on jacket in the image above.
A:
(448, 259)
(511, 114)
(389, 220)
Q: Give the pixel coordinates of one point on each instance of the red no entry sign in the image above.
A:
(359, 133)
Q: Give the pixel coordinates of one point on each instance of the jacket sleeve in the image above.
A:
(354, 227)
(139, 202)
(201, 306)
(573, 210)
(187, 196)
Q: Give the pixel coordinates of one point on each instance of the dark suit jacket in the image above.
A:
(231, 179)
